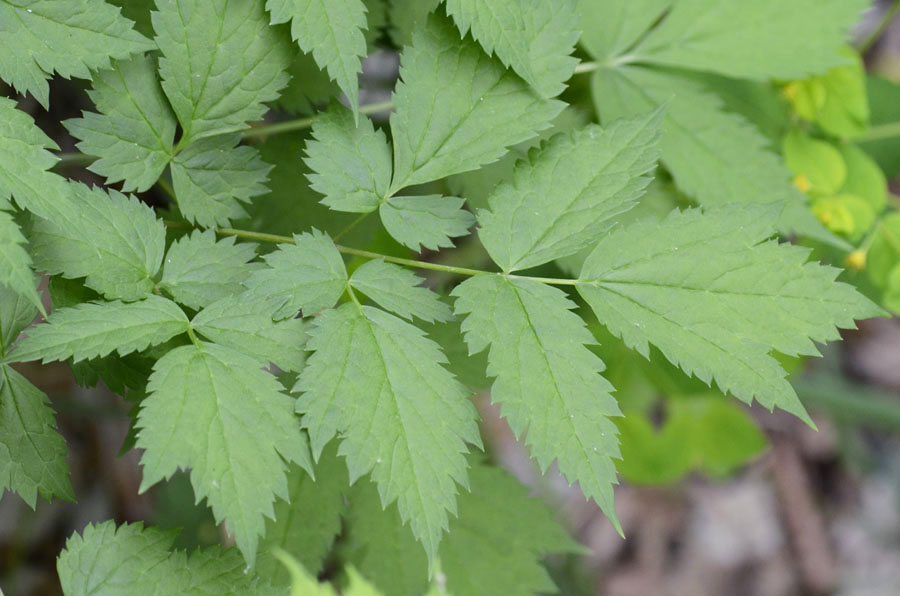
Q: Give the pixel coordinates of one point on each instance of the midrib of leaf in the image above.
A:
(150, 123)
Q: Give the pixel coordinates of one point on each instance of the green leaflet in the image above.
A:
(307, 523)
(242, 325)
(135, 129)
(16, 313)
(332, 30)
(399, 290)
(238, 463)
(350, 162)
(198, 270)
(535, 38)
(69, 37)
(94, 329)
(213, 177)
(132, 560)
(593, 175)
(308, 275)
(547, 382)
(407, 16)
(15, 262)
(611, 27)
(221, 62)
(715, 157)
(116, 242)
(305, 584)
(760, 40)
(456, 108)
(378, 383)
(716, 298)
(429, 221)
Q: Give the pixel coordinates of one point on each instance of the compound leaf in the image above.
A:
(593, 175)
(198, 270)
(135, 129)
(534, 38)
(92, 330)
(308, 275)
(547, 382)
(116, 242)
(457, 108)
(764, 39)
(399, 290)
(378, 382)
(716, 297)
(332, 30)
(249, 431)
(351, 163)
(221, 62)
(612, 26)
(429, 221)
(69, 37)
(240, 324)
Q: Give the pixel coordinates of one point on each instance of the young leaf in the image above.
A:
(534, 38)
(307, 523)
(593, 175)
(457, 108)
(116, 242)
(135, 129)
(242, 325)
(93, 329)
(332, 30)
(399, 290)
(611, 27)
(308, 275)
(428, 221)
(378, 382)
(213, 177)
(249, 430)
(717, 298)
(32, 453)
(133, 560)
(351, 163)
(763, 39)
(221, 62)
(70, 37)
(715, 157)
(198, 270)
(547, 381)
(15, 262)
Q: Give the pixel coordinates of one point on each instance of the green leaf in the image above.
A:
(308, 275)
(32, 453)
(24, 161)
(407, 16)
(399, 290)
(456, 108)
(221, 62)
(240, 324)
(248, 427)
(764, 39)
(547, 382)
(307, 523)
(864, 178)
(884, 253)
(92, 329)
(717, 298)
(351, 163)
(115, 241)
(715, 157)
(884, 104)
(213, 177)
(132, 560)
(378, 383)
(69, 37)
(613, 26)
(428, 221)
(135, 128)
(819, 162)
(16, 313)
(534, 38)
(198, 270)
(593, 175)
(332, 30)
(15, 262)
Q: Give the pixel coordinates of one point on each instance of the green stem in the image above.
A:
(304, 123)
(350, 226)
(164, 185)
(73, 160)
(877, 32)
(881, 131)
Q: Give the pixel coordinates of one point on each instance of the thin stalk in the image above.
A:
(881, 131)
(73, 160)
(350, 226)
(878, 31)
(304, 123)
